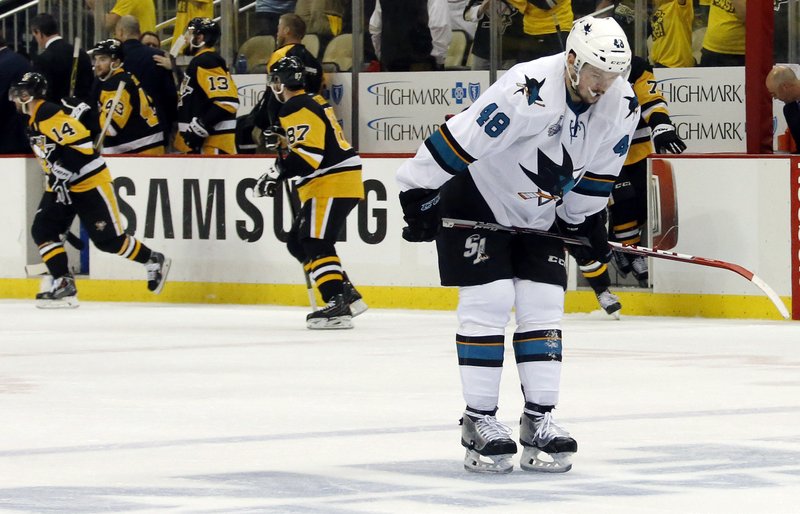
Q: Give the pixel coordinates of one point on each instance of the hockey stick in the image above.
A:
(632, 249)
(73, 77)
(117, 96)
(312, 300)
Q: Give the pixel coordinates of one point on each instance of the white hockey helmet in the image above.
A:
(600, 42)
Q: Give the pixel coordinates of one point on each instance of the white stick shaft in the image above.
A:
(110, 116)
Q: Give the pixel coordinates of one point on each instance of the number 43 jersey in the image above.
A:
(530, 149)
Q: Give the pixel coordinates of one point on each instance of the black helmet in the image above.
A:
(288, 71)
(32, 84)
(110, 47)
(208, 28)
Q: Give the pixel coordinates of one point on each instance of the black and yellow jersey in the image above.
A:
(313, 69)
(209, 94)
(653, 109)
(59, 139)
(134, 125)
(319, 154)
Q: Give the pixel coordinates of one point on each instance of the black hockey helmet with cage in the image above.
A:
(31, 85)
(289, 71)
(110, 47)
(208, 28)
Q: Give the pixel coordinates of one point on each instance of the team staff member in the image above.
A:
(55, 61)
(313, 149)
(12, 127)
(628, 210)
(134, 127)
(291, 30)
(78, 183)
(208, 96)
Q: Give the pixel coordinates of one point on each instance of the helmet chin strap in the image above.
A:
(111, 70)
(278, 93)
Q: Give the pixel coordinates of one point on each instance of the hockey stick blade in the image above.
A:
(35, 270)
(635, 250)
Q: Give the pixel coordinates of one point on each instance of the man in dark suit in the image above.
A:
(12, 126)
(156, 80)
(55, 61)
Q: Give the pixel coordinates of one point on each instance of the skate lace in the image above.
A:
(490, 429)
(548, 429)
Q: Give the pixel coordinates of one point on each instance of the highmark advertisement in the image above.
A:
(397, 111)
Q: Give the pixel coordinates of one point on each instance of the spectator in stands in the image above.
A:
(12, 123)
(546, 24)
(268, 13)
(510, 28)
(783, 85)
(55, 62)
(724, 41)
(417, 37)
(189, 9)
(322, 17)
(142, 10)
(142, 62)
(671, 26)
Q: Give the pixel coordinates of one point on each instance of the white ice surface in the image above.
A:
(239, 409)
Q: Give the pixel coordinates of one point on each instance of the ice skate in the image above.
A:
(609, 302)
(335, 315)
(157, 270)
(547, 447)
(621, 263)
(62, 295)
(488, 443)
(636, 264)
(640, 270)
(353, 298)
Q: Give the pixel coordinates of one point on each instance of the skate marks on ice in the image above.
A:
(234, 410)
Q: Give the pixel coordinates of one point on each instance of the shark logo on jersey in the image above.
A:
(553, 180)
(633, 105)
(531, 89)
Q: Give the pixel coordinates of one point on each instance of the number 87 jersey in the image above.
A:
(530, 149)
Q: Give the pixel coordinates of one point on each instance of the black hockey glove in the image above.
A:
(274, 138)
(421, 213)
(75, 107)
(666, 140)
(593, 233)
(267, 184)
(57, 178)
(195, 134)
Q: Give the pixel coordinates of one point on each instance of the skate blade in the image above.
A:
(338, 323)
(164, 272)
(68, 302)
(538, 461)
(498, 464)
(358, 307)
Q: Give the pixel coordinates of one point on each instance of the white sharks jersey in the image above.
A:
(531, 151)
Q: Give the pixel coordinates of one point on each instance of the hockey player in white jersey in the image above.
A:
(541, 149)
